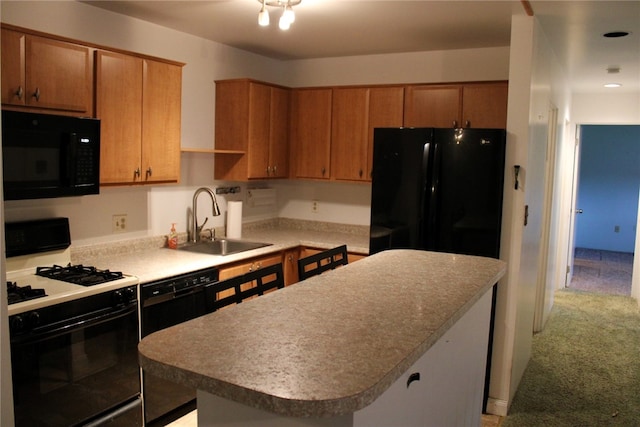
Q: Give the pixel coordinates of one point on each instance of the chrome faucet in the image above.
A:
(195, 229)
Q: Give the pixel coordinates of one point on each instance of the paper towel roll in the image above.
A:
(234, 220)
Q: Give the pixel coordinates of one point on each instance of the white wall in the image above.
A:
(150, 211)
(536, 85)
(206, 61)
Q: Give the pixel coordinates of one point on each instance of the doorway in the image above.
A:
(606, 209)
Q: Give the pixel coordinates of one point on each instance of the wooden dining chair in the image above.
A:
(322, 261)
(231, 291)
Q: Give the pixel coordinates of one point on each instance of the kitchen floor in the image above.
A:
(191, 420)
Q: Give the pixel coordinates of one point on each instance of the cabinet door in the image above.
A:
(386, 109)
(432, 106)
(13, 67)
(349, 129)
(279, 133)
(161, 117)
(58, 75)
(290, 265)
(311, 132)
(485, 105)
(119, 106)
(258, 124)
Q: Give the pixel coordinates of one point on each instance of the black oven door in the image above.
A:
(79, 371)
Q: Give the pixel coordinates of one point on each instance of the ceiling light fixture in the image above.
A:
(287, 17)
(612, 85)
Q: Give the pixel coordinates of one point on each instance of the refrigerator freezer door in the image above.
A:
(399, 183)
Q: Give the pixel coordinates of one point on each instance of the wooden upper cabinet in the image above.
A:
(13, 67)
(138, 103)
(356, 112)
(251, 133)
(119, 108)
(161, 121)
(432, 106)
(386, 109)
(349, 131)
(279, 132)
(42, 73)
(485, 105)
(476, 105)
(311, 132)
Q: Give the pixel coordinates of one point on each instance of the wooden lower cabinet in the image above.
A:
(290, 265)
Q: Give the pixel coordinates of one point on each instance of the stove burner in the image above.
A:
(22, 293)
(79, 274)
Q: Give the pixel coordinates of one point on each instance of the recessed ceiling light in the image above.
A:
(616, 34)
(612, 85)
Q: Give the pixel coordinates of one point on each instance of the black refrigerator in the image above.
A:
(437, 189)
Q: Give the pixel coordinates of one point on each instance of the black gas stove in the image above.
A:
(23, 293)
(79, 274)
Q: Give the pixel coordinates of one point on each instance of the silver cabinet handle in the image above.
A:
(149, 171)
(136, 173)
(36, 94)
(19, 92)
(455, 124)
(275, 170)
(467, 124)
(323, 170)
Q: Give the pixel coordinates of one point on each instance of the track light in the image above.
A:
(286, 19)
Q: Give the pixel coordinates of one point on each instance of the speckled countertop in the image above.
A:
(329, 345)
(148, 260)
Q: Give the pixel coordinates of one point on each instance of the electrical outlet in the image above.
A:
(119, 223)
(616, 229)
(314, 206)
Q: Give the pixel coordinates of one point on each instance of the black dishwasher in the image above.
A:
(166, 303)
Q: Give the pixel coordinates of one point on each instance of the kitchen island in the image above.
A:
(343, 348)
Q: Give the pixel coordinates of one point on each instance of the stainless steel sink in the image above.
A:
(221, 246)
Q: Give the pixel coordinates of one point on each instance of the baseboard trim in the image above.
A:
(497, 407)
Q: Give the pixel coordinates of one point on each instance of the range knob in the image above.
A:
(33, 319)
(124, 296)
(24, 322)
(16, 323)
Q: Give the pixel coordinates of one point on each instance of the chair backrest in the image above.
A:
(231, 291)
(322, 261)
(221, 294)
(267, 279)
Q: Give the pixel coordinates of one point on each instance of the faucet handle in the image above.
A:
(199, 228)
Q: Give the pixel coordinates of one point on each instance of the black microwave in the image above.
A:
(46, 155)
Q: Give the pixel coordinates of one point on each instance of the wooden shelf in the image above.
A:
(212, 151)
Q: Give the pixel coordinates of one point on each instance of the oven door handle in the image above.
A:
(86, 321)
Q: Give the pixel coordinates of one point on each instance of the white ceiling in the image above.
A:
(328, 28)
